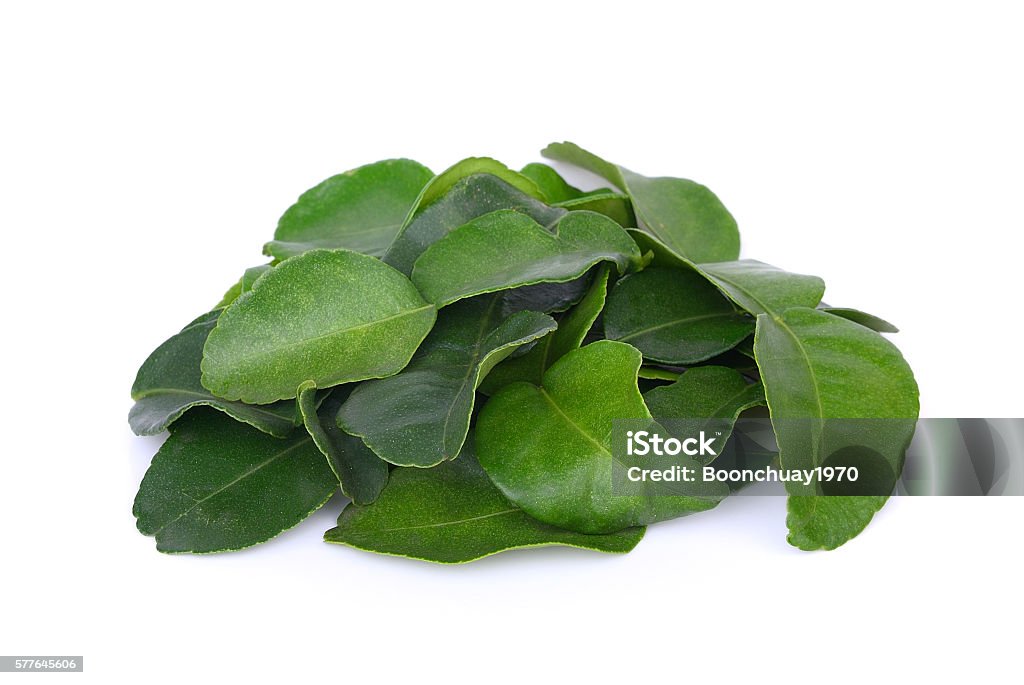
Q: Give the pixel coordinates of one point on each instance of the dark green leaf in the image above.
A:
(755, 286)
(817, 367)
(360, 210)
(218, 485)
(329, 316)
(360, 472)
(453, 514)
(673, 316)
(572, 329)
(545, 297)
(168, 384)
(702, 397)
(863, 318)
(441, 184)
(467, 199)
(506, 249)
(685, 215)
(420, 417)
(549, 448)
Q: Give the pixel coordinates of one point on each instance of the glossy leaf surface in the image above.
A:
(420, 417)
(572, 329)
(168, 384)
(673, 316)
(360, 210)
(762, 288)
(219, 485)
(467, 199)
(703, 396)
(686, 216)
(507, 249)
(816, 367)
(360, 472)
(441, 184)
(329, 316)
(451, 514)
(549, 448)
(754, 286)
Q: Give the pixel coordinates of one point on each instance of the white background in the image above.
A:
(145, 155)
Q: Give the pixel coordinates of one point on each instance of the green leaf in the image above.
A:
(230, 295)
(243, 285)
(252, 274)
(218, 485)
(686, 216)
(757, 287)
(816, 367)
(863, 318)
(329, 316)
(420, 417)
(168, 384)
(506, 249)
(615, 206)
(548, 449)
(444, 182)
(653, 373)
(453, 514)
(762, 288)
(467, 199)
(545, 297)
(361, 473)
(572, 329)
(360, 210)
(707, 396)
(673, 316)
(551, 184)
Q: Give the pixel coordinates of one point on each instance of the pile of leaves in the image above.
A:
(449, 351)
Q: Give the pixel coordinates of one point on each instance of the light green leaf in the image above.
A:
(762, 288)
(218, 485)
(360, 210)
(653, 373)
(506, 249)
(615, 206)
(361, 473)
(168, 384)
(548, 449)
(243, 285)
(816, 368)
(673, 316)
(467, 199)
(329, 316)
(686, 216)
(863, 318)
(453, 514)
(551, 184)
(420, 417)
(572, 329)
(703, 397)
(230, 295)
